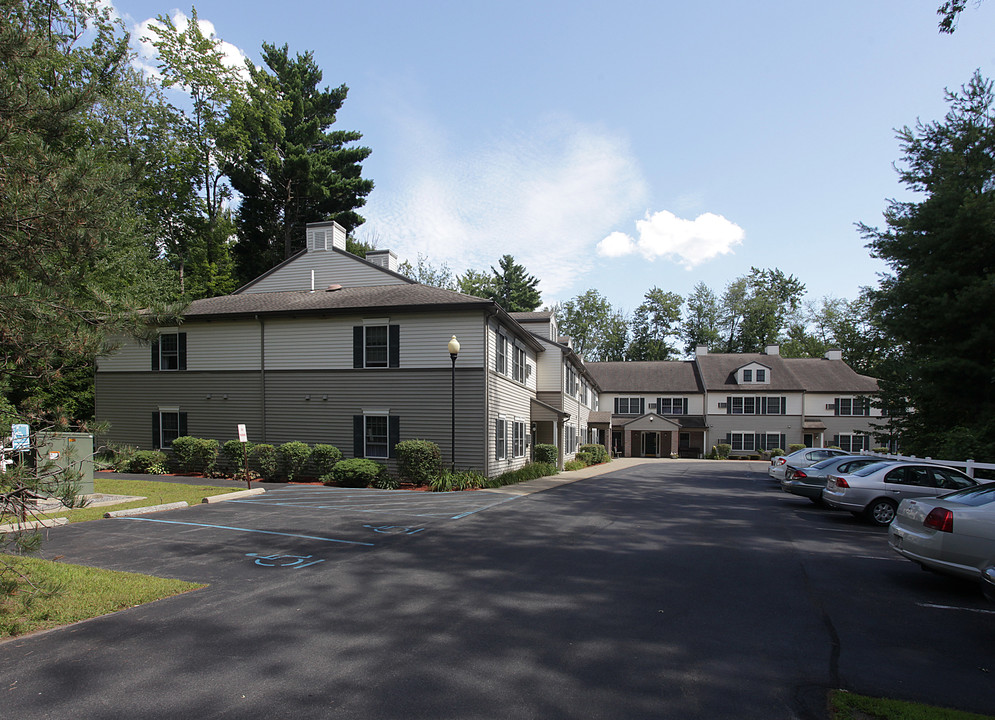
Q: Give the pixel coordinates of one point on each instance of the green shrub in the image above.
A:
(324, 457)
(599, 453)
(545, 454)
(234, 455)
(722, 451)
(880, 450)
(195, 455)
(449, 480)
(356, 472)
(148, 462)
(776, 452)
(574, 465)
(418, 461)
(796, 446)
(584, 457)
(118, 457)
(293, 458)
(386, 481)
(266, 460)
(526, 472)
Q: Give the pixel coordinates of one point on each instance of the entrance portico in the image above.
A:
(649, 435)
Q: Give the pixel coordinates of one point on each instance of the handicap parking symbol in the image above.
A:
(394, 529)
(296, 561)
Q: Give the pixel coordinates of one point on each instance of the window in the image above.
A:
(583, 392)
(571, 439)
(747, 376)
(774, 406)
(755, 405)
(748, 441)
(852, 443)
(500, 439)
(853, 406)
(169, 352)
(744, 405)
(376, 345)
(742, 441)
(375, 434)
(753, 376)
(629, 406)
(518, 439)
(167, 425)
(672, 406)
(761, 376)
(519, 364)
(501, 358)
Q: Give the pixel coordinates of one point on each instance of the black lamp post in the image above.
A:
(453, 352)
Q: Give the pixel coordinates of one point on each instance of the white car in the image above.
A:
(799, 459)
(952, 534)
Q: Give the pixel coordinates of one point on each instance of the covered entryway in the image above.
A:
(650, 435)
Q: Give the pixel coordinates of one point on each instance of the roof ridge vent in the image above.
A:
(333, 288)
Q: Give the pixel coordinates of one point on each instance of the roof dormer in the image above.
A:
(753, 374)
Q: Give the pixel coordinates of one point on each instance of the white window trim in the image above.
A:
(376, 413)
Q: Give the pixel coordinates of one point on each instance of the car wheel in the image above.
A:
(881, 512)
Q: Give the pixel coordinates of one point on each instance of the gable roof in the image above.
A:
(646, 377)
(718, 373)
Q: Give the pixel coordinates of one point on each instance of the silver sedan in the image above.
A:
(952, 534)
(874, 491)
(799, 458)
(809, 481)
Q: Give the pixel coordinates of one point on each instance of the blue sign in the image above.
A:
(20, 437)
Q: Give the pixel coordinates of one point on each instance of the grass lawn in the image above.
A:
(84, 592)
(80, 593)
(154, 492)
(847, 706)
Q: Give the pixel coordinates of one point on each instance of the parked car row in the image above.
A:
(937, 516)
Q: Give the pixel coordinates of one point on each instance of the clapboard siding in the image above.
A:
(512, 401)
(531, 374)
(129, 355)
(326, 343)
(549, 373)
(127, 400)
(421, 398)
(331, 267)
(222, 346)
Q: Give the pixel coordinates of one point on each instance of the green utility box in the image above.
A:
(68, 451)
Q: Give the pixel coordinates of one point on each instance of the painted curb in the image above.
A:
(34, 524)
(234, 495)
(144, 510)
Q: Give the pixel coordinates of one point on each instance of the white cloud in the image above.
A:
(147, 57)
(543, 197)
(686, 242)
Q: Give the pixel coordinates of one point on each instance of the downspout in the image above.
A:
(262, 377)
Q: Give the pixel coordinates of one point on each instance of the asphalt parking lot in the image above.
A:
(664, 589)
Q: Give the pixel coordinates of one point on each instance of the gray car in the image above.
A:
(809, 481)
(874, 491)
(800, 458)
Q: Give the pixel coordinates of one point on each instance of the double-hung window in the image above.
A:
(518, 439)
(500, 439)
(169, 352)
(376, 436)
(852, 443)
(629, 406)
(375, 433)
(376, 345)
(852, 406)
(501, 355)
(519, 364)
(167, 425)
(672, 406)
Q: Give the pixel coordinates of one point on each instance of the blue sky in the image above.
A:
(625, 145)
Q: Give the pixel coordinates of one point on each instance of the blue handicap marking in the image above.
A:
(394, 529)
(297, 561)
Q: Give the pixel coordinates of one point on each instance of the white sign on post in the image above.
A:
(242, 435)
(20, 435)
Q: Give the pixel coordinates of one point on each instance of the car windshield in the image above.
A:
(870, 469)
(976, 496)
(823, 464)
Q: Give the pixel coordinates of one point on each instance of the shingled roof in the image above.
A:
(718, 372)
(646, 377)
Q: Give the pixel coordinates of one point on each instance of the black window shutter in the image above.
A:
(758, 442)
(358, 446)
(181, 348)
(182, 424)
(394, 345)
(156, 435)
(763, 406)
(685, 406)
(642, 406)
(784, 441)
(393, 435)
(155, 358)
(357, 349)
(616, 406)
(728, 406)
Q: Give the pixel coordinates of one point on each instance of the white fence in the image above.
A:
(969, 466)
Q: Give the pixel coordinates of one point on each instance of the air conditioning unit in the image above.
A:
(830, 406)
(722, 405)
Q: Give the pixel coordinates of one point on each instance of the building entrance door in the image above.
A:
(651, 444)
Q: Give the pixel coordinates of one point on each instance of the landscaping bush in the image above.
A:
(386, 481)
(418, 461)
(599, 453)
(293, 458)
(195, 455)
(233, 455)
(574, 465)
(148, 462)
(722, 451)
(776, 452)
(449, 481)
(880, 450)
(527, 472)
(266, 460)
(545, 454)
(356, 472)
(796, 446)
(324, 457)
(584, 457)
(118, 457)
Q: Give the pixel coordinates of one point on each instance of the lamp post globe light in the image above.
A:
(453, 352)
